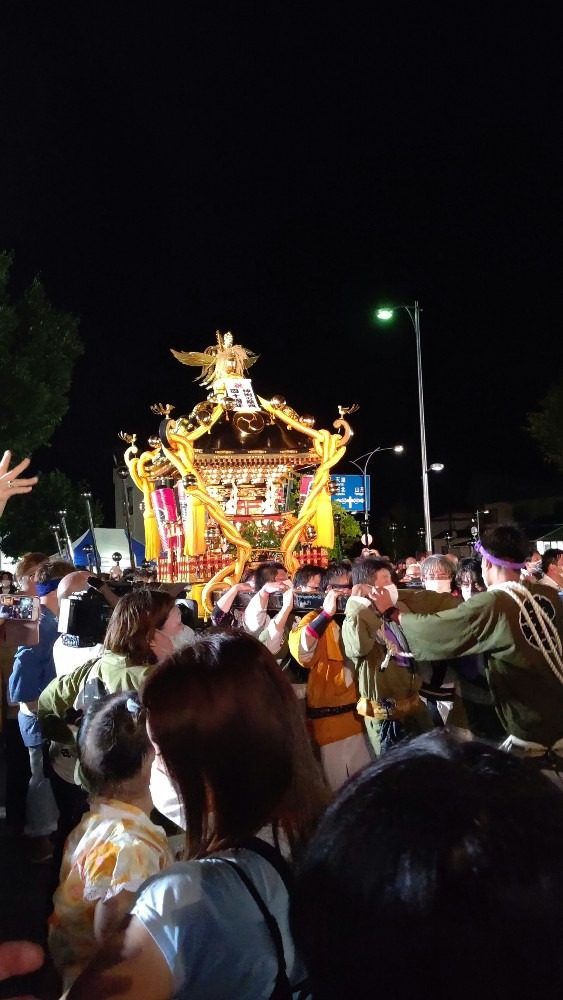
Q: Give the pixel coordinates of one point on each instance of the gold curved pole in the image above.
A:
(133, 467)
(219, 577)
(199, 492)
(348, 432)
(130, 455)
(325, 445)
(291, 539)
(181, 455)
(137, 471)
(244, 548)
(320, 480)
(203, 428)
(290, 421)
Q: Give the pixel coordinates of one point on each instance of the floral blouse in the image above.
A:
(114, 847)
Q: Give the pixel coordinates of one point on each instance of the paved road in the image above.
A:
(24, 900)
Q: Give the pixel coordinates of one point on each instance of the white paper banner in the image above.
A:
(241, 392)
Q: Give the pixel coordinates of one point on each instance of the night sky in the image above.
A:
(279, 171)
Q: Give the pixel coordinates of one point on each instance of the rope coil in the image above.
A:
(550, 634)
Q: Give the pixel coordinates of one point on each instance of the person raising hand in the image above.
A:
(10, 484)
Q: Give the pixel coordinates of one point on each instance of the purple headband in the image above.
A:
(504, 563)
(47, 588)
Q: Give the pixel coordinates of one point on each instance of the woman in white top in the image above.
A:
(226, 726)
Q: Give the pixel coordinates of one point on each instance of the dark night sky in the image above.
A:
(278, 171)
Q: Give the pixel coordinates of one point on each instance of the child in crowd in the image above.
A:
(115, 847)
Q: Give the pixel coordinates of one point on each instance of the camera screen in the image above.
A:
(15, 607)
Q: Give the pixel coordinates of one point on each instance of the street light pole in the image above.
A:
(397, 448)
(415, 319)
(69, 548)
(55, 528)
(87, 497)
(414, 316)
(123, 473)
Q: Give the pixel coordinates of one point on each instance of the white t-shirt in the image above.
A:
(210, 930)
(67, 658)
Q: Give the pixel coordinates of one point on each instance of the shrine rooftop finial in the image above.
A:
(223, 360)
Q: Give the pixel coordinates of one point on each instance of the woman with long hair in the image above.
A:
(135, 629)
(226, 726)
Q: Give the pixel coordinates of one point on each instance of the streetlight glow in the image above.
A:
(436, 467)
(365, 459)
(385, 313)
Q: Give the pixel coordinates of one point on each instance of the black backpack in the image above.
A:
(93, 690)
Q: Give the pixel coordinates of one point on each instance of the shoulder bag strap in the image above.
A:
(282, 986)
(274, 857)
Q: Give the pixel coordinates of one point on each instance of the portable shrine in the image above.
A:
(216, 482)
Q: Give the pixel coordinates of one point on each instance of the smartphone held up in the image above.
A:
(19, 620)
(19, 607)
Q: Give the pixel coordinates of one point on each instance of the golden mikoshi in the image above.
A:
(212, 475)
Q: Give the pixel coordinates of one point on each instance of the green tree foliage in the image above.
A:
(38, 347)
(27, 520)
(546, 425)
(346, 531)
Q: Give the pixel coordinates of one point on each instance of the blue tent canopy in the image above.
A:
(108, 541)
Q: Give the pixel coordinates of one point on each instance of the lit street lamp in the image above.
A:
(397, 448)
(385, 314)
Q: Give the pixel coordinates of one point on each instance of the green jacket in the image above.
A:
(527, 695)
(363, 643)
(114, 669)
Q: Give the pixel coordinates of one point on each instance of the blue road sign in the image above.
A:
(350, 494)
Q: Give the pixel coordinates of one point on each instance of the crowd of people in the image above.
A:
(344, 781)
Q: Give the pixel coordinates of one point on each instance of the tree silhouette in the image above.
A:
(38, 347)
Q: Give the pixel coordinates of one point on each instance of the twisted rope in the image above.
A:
(550, 634)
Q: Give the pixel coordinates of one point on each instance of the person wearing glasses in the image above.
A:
(518, 626)
(332, 695)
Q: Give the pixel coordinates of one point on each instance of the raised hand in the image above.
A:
(10, 484)
(329, 603)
